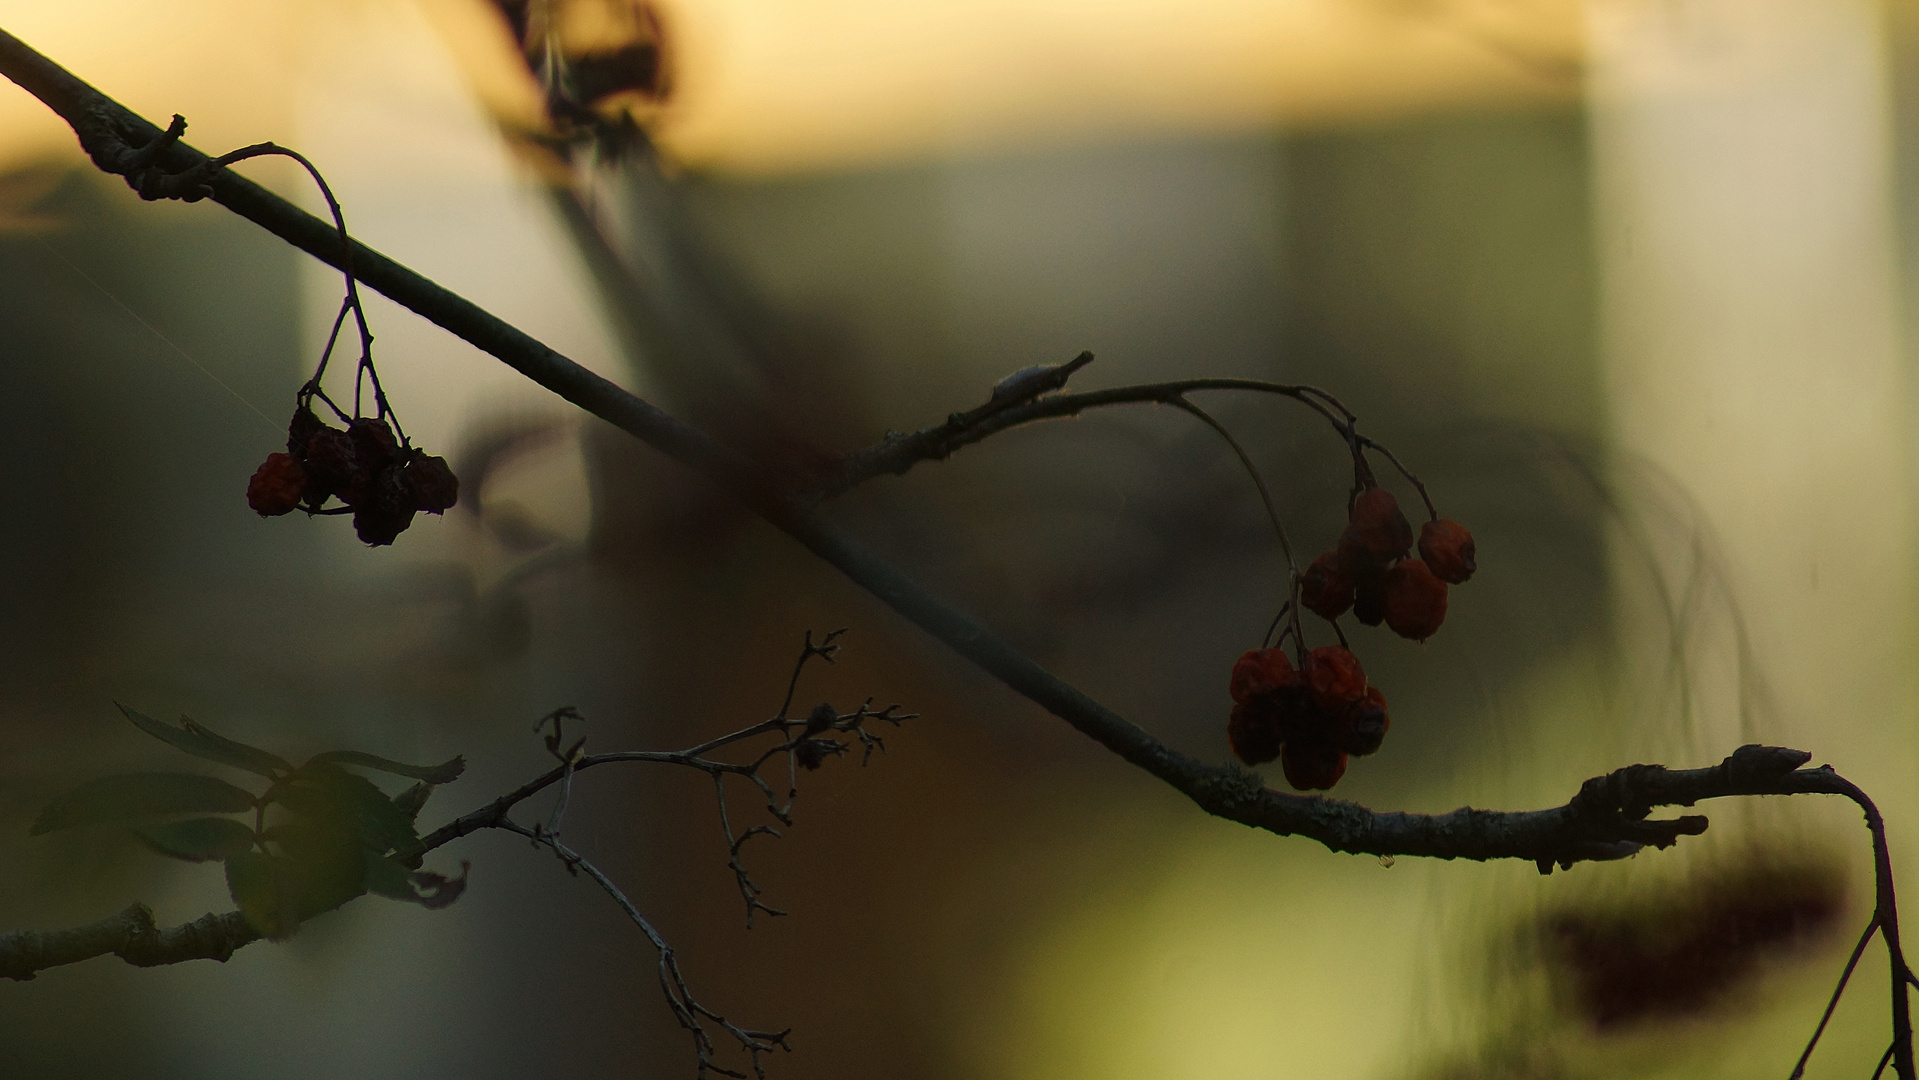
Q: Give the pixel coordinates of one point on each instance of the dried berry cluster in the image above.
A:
(1371, 573)
(1309, 719)
(1314, 717)
(383, 480)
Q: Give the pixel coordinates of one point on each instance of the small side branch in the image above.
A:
(899, 452)
(687, 1009)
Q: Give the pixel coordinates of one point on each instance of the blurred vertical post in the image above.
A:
(1752, 344)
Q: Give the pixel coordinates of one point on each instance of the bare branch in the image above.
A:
(686, 1008)
(131, 936)
(899, 452)
(1606, 820)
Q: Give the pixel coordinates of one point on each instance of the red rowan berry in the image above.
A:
(1255, 732)
(1363, 728)
(1448, 550)
(1326, 588)
(277, 486)
(1300, 717)
(1379, 526)
(1260, 671)
(1312, 766)
(1334, 677)
(1415, 600)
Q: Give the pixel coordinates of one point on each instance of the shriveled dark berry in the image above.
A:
(1255, 731)
(823, 716)
(377, 527)
(812, 753)
(1312, 766)
(301, 429)
(1415, 600)
(277, 486)
(1379, 526)
(1363, 728)
(330, 464)
(1448, 550)
(1334, 677)
(382, 512)
(430, 483)
(373, 441)
(1260, 671)
(1326, 588)
(1369, 600)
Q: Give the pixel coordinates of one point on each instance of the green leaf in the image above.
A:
(264, 888)
(200, 742)
(328, 795)
(117, 798)
(329, 864)
(413, 800)
(197, 839)
(384, 877)
(444, 773)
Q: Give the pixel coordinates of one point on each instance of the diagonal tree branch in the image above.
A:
(123, 143)
(1608, 818)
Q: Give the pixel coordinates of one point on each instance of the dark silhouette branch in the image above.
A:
(130, 935)
(1607, 819)
(898, 452)
(687, 1009)
(1563, 836)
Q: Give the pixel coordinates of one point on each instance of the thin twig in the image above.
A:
(686, 1009)
(1246, 461)
(1872, 928)
(898, 453)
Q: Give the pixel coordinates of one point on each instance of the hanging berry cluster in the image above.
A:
(383, 481)
(1313, 716)
(369, 465)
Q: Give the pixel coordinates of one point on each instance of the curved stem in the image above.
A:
(267, 149)
(1245, 460)
(1872, 928)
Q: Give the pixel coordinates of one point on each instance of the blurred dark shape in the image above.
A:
(590, 86)
(1680, 953)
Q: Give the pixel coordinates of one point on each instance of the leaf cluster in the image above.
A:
(316, 837)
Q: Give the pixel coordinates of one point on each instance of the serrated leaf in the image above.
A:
(198, 741)
(118, 798)
(264, 889)
(329, 865)
(197, 839)
(444, 773)
(328, 795)
(413, 800)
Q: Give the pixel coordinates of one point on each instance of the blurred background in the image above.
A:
(1630, 283)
